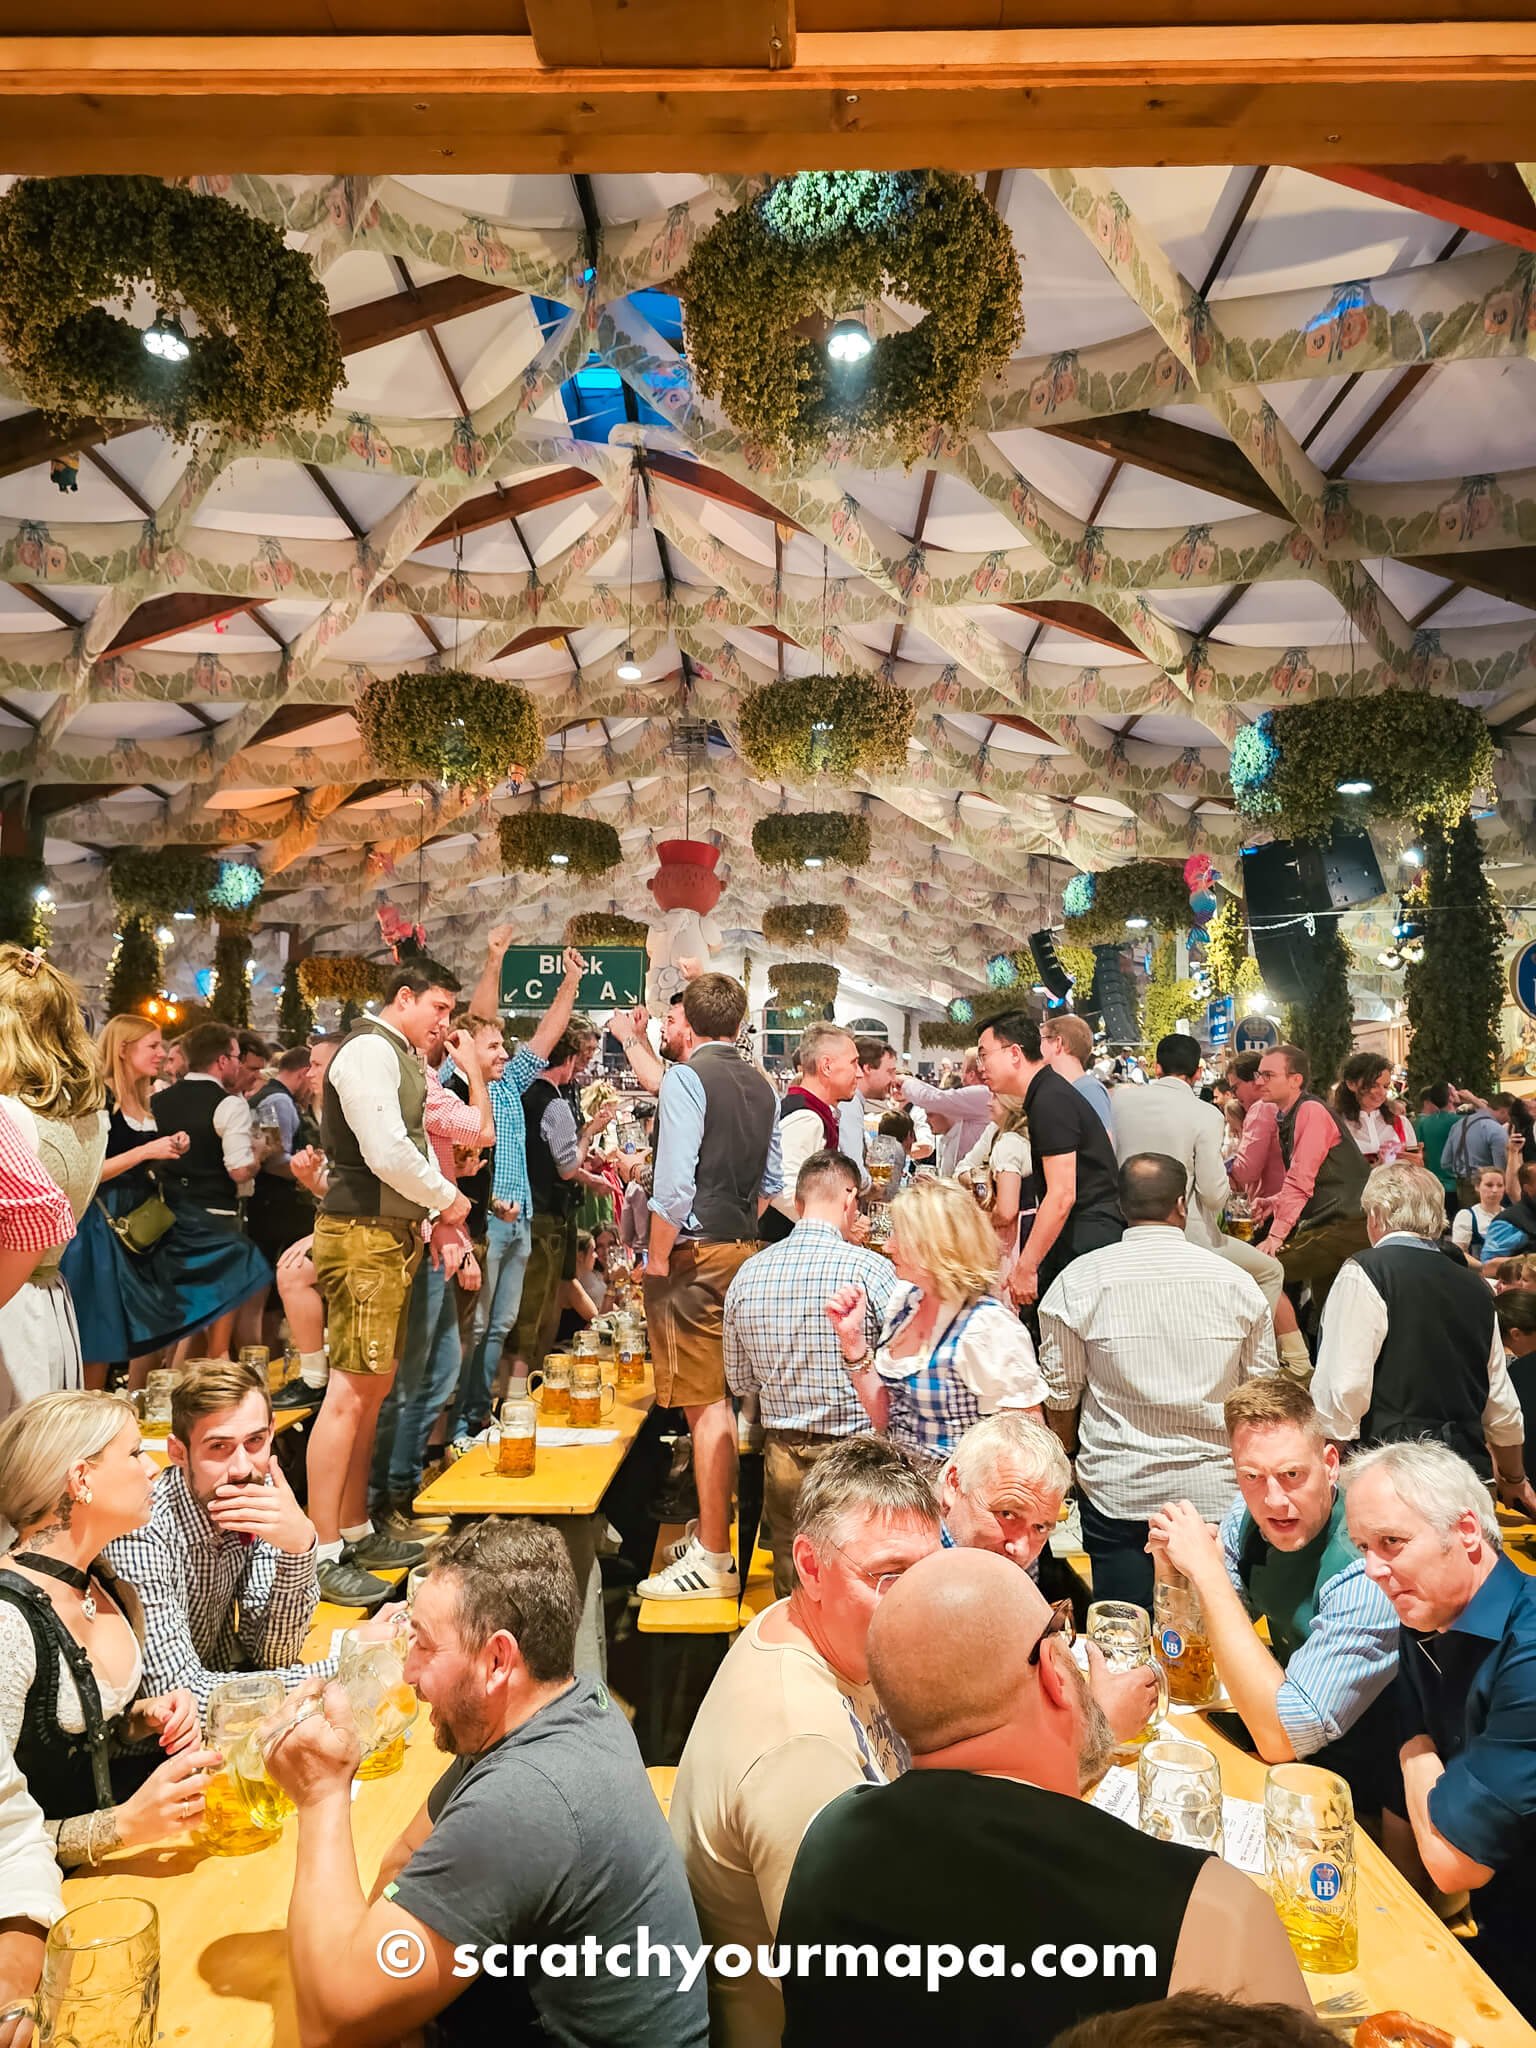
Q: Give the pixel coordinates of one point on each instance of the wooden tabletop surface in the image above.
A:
(1409, 1960)
(570, 1480)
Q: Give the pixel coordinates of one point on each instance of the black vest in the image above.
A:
(277, 1207)
(1340, 1178)
(774, 1226)
(66, 1774)
(199, 1175)
(740, 1111)
(355, 1189)
(553, 1194)
(1431, 1376)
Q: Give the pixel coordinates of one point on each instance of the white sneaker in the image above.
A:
(693, 1577)
(679, 1549)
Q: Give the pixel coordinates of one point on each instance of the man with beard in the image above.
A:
(542, 1840)
(225, 1566)
(985, 1850)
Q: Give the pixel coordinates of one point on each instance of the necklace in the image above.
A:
(68, 1574)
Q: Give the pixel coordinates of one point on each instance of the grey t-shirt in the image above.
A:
(552, 1836)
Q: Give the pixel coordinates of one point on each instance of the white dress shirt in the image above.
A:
(1150, 1335)
(1168, 1116)
(366, 1077)
(236, 1129)
(850, 1132)
(1354, 1330)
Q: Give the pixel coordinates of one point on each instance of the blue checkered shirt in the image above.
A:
(509, 1166)
(778, 1341)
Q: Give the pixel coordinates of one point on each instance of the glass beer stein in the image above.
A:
(1123, 1633)
(1178, 1790)
(372, 1672)
(101, 1977)
(588, 1392)
(158, 1387)
(1309, 1858)
(243, 1810)
(628, 1351)
(1181, 1643)
(517, 1445)
(555, 1396)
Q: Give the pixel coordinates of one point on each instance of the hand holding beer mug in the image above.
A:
(1123, 1634)
(243, 1810)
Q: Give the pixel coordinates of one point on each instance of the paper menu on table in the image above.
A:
(1243, 1819)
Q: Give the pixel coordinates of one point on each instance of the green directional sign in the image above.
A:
(614, 980)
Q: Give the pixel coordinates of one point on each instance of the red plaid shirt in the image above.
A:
(34, 1214)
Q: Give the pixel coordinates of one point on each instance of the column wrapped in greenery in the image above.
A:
(135, 973)
(23, 920)
(231, 998)
(1325, 1027)
(1456, 991)
(295, 1019)
(1166, 1001)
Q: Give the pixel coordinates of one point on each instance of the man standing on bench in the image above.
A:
(717, 1168)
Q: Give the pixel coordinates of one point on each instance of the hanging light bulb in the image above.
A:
(849, 341)
(164, 935)
(167, 339)
(1136, 924)
(813, 860)
(559, 860)
(1356, 786)
(628, 670)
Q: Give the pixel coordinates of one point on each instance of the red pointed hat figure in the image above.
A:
(686, 889)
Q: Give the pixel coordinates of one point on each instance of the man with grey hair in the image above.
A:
(791, 1719)
(1410, 1344)
(1466, 1688)
(985, 1845)
(808, 1114)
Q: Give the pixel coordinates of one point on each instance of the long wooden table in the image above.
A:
(1409, 1960)
(569, 1480)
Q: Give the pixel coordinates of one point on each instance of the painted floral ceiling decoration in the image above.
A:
(1269, 440)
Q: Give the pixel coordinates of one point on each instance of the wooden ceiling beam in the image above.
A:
(1081, 619)
(179, 611)
(1509, 573)
(1484, 198)
(1319, 93)
(745, 35)
(1184, 455)
(496, 508)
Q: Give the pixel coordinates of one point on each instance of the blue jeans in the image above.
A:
(507, 1246)
(429, 1367)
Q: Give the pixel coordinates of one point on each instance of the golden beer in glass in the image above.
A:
(555, 1394)
(101, 1977)
(243, 1809)
(1309, 1857)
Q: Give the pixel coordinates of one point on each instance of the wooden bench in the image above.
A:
(706, 1617)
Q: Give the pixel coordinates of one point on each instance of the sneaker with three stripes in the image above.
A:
(693, 1577)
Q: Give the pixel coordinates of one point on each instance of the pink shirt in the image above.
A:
(1316, 1136)
(448, 1122)
(1257, 1166)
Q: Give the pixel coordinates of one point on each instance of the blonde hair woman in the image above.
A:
(52, 1091)
(73, 1475)
(950, 1351)
(126, 1303)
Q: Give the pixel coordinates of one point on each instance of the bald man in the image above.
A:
(984, 1860)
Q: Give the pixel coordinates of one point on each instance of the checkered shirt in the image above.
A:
(778, 1341)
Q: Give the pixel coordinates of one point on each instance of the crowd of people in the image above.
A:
(1265, 1340)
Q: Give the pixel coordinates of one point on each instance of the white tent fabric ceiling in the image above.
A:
(1157, 526)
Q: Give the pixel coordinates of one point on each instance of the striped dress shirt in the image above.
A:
(1150, 1335)
(778, 1341)
(1348, 1659)
(192, 1578)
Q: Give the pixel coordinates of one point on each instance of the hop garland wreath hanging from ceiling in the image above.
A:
(340, 978)
(1108, 909)
(797, 839)
(824, 924)
(802, 981)
(1400, 754)
(532, 841)
(605, 928)
(468, 731)
(824, 244)
(261, 350)
(804, 726)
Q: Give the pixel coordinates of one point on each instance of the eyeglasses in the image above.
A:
(1060, 1624)
(881, 1581)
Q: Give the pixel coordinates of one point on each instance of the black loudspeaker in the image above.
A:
(1293, 876)
(1285, 881)
(1054, 978)
(1114, 996)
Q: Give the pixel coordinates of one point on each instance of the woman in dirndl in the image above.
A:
(51, 1091)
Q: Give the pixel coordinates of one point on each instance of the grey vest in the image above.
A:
(740, 1111)
(355, 1190)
